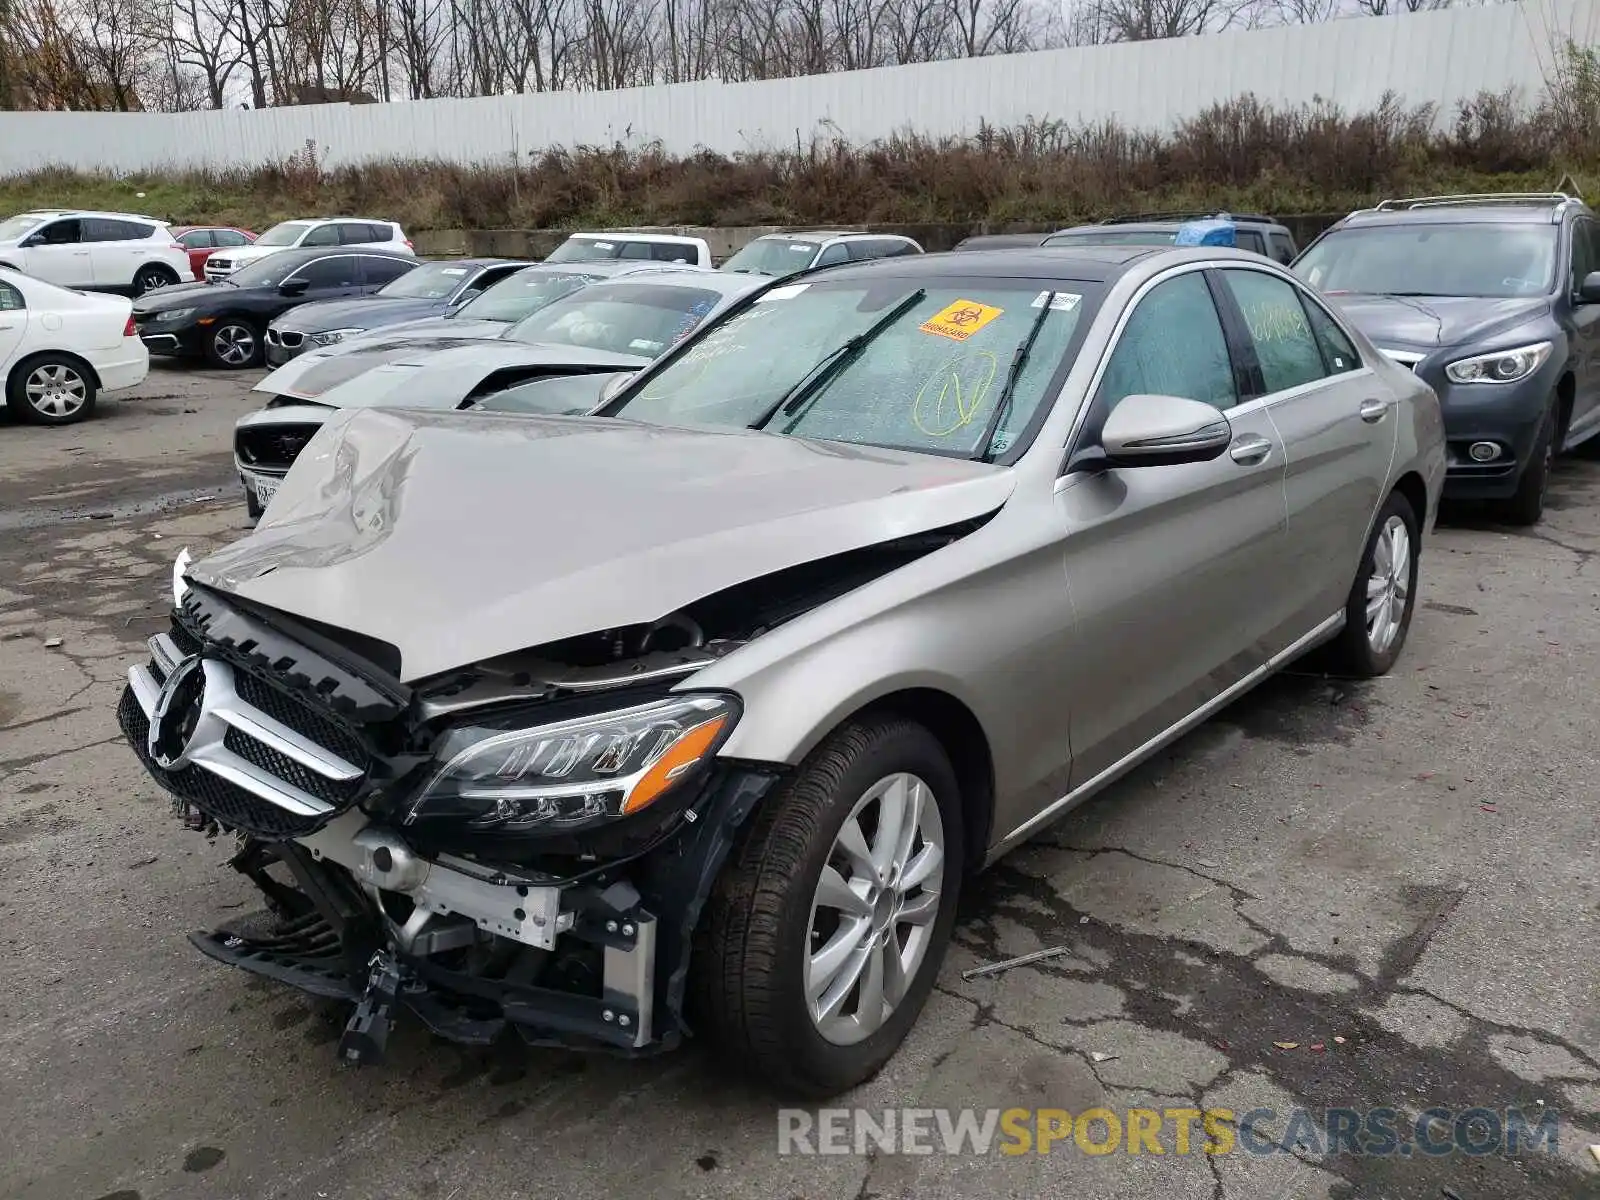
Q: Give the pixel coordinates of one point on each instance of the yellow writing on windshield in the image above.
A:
(954, 393)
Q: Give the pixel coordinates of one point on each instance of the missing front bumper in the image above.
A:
(474, 956)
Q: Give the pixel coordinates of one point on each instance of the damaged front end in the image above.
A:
(519, 848)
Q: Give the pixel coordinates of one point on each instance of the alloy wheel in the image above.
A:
(56, 390)
(1389, 585)
(149, 280)
(874, 908)
(235, 344)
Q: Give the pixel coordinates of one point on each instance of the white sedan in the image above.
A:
(59, 349)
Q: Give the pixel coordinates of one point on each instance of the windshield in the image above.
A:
(430, 282)
(568, 395)
(1114, 237)
(626, 318)
(266, 272)
(772, 256)
(1428, 259)
(576, 249)
(288, 233)
(521, 295)
(15, 228)
(929, 380)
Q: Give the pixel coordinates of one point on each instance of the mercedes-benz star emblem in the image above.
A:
(177, 713)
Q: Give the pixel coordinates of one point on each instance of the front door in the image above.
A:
(1171, 571)
(1585, 420)
(1339, 427)
(56, 253)
(13, 323)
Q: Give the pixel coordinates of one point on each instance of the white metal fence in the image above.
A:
(1440, 57)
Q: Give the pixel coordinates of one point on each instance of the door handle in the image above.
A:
(1249, 450)
(1373, 411)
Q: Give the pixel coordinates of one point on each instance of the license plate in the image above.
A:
(265, 491)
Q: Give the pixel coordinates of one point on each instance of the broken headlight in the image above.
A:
(573, 774)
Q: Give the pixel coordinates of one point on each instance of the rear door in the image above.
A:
(376, 270)
(1586, 331)
(56, 253)
(1172, 572)
(1339, 425)
(117, 249)
(199, 243)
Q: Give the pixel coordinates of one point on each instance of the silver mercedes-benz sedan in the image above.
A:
(696, 713)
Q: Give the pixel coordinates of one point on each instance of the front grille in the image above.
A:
(228, 803)
(290, 338)
(272, 447)
(263, 760)
(298, 716)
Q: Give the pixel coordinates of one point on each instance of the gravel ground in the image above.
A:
(1408, 865)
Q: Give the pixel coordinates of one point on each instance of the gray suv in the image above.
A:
(1494, 300)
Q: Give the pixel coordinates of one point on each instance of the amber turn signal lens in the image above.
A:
(690, 748)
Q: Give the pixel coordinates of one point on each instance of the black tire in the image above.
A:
(51, 389)
(1526, 505)
(747, 973)
(233, 344)
(152, 276)
(1353, 652)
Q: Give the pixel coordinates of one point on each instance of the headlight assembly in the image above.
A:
(573, 774)
(175, 314)
(1503, 366)
(332, 337)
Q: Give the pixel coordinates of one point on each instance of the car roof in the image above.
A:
(1459, 214)
(479, 262)
(1093, 264)
(300, 254)
(633, 235)
(818, 236)
(328, 220)
(90, 212)
(724, 283)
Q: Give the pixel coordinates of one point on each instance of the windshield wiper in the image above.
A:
(1019, 358)
(834, 361)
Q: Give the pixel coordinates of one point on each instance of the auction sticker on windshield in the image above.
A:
(960, 320)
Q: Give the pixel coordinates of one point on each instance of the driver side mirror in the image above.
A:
(1160, 431)
(1589, 288)
(293, 287)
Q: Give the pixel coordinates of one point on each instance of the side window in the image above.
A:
(61, 233)
(356, 233)
(493, 275)
(667, 252)
(636, 250)
(382, 270)
(1282, 248)
(10, 299)
(1172, 345)
(228, 237)
(1337, 351)
(100, 229)
(336, 271)
(197, 239)
(1249, 239)
(837, 253)
(1285, 346)
(322, 235)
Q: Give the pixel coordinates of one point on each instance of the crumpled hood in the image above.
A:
(311, 374)
(1426, 322)
(368, 312)
(458, 537)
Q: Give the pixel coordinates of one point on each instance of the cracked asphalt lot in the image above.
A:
(1408, 865)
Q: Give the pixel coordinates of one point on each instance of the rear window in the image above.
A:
(522, 295)
(624, 318)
